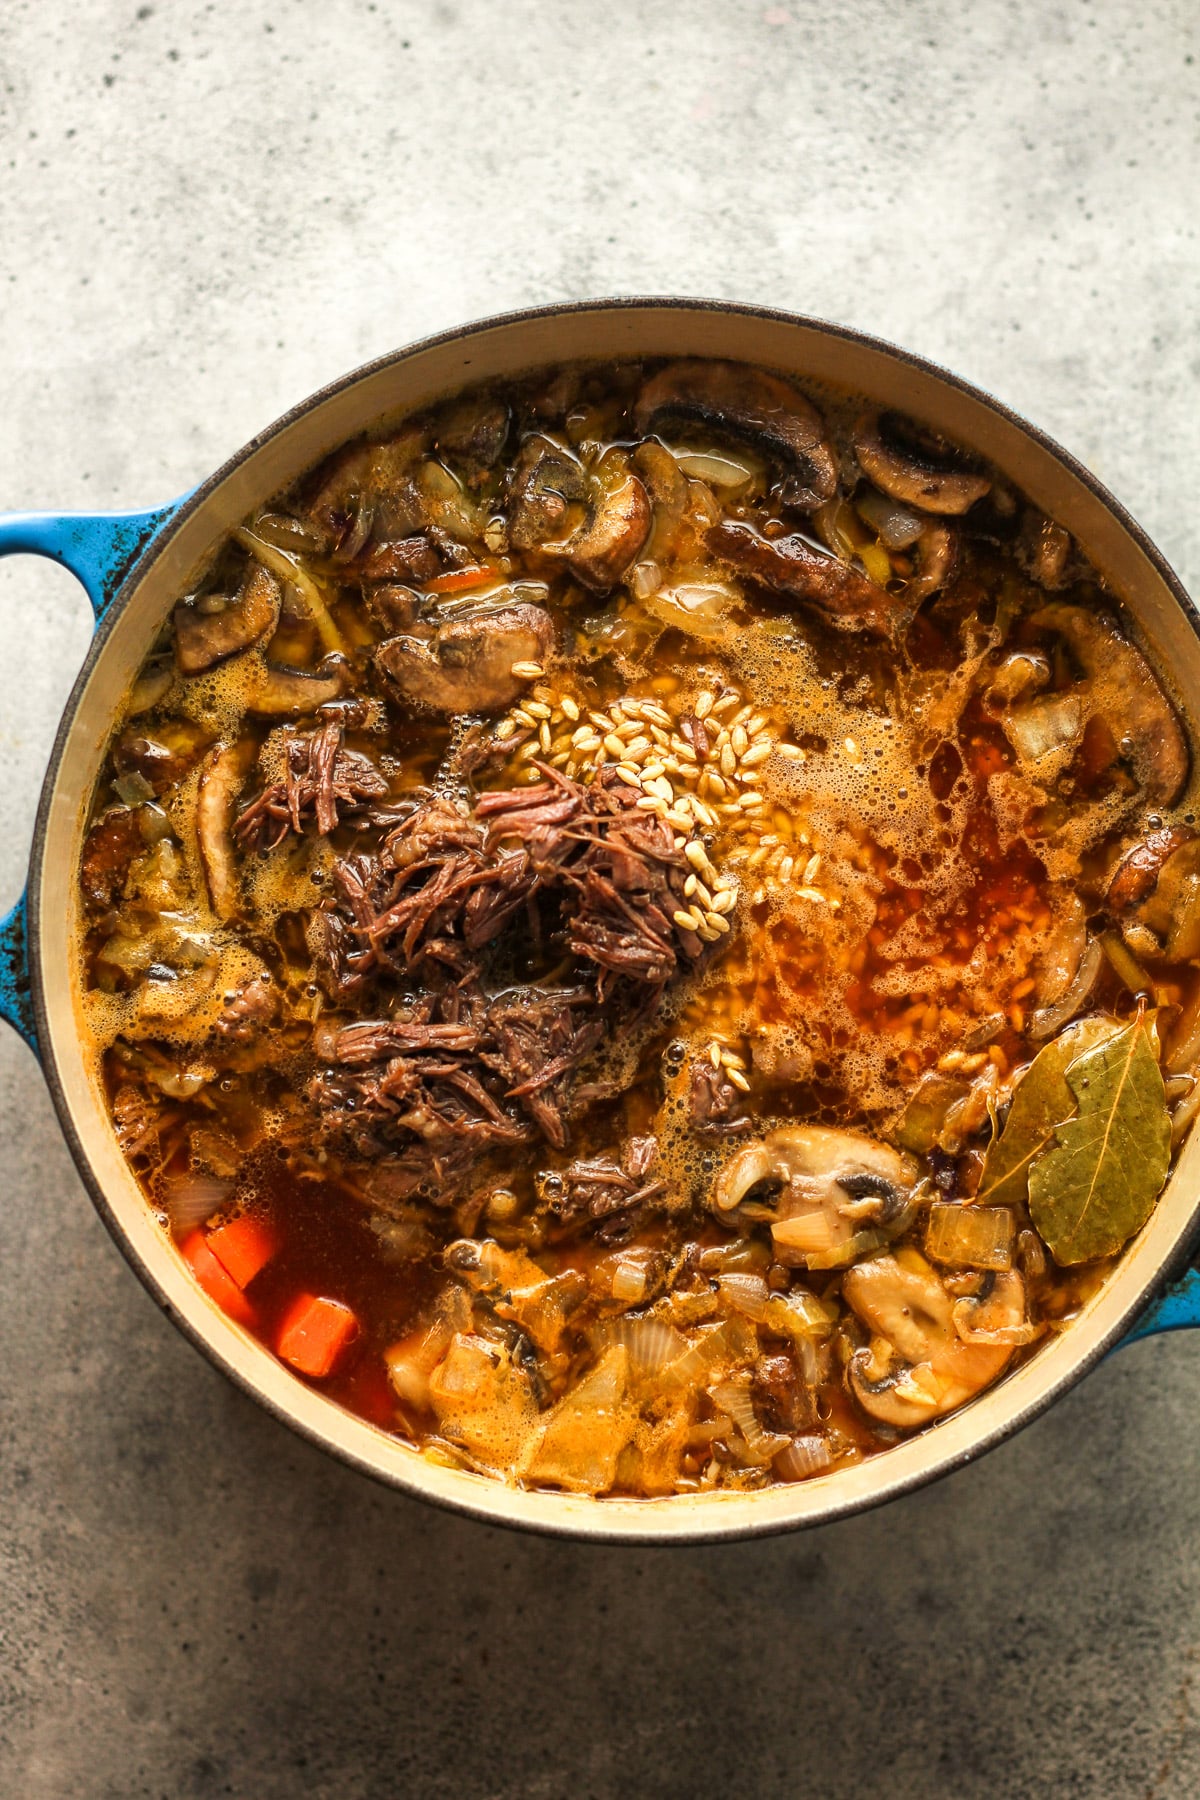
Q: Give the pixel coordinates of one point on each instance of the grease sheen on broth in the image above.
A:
(574, 893)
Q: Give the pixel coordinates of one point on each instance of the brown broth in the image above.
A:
(867, 805)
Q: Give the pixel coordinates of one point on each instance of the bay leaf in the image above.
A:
(1097, 1185)
(1041, 1101)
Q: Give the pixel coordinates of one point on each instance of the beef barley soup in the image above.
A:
(641, 929)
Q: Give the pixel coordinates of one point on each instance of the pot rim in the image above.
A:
(711, 1529)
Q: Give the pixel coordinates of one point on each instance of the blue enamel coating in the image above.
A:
(1178, 1308)
(15, 1003)
(99, 549)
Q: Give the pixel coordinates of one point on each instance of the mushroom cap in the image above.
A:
(284, 692)
(1124, 690)
(791, 566)
(918, 474)
(543, 482)
(221, 781)
(205, 638)
(746, 404)
(841, 1192)
(617, 528)
(465, 665)
(931, 1370)
(1136, 875)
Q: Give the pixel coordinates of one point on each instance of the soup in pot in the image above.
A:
(641, 929)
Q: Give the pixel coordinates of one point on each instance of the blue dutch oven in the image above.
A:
(133, 565)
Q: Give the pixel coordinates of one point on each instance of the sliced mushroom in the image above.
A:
(996, 1312)
(282, 692)
(211, 628)
(221, 781)
(791, 566)
(163, 759)
(548, 487)
(668, 490)
(473, 433)
(1172, 909)
(1067, 967)
(1124, 691)
(1136, 875)
(836, 1193)
(917, 1366)
(400, 559)
(937, 559)
(543, 484)
(465, 665)
(744, 403)
(378, 478)
(917, 468)
(1044, 549)
(617, 527)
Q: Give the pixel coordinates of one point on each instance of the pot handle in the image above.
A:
(99, 549)
(1177, 1307)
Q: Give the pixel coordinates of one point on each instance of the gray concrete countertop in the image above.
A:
(207, 210)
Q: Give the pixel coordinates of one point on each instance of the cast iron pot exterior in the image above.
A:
(177, 544)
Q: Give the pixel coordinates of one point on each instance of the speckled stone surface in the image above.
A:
(205, 212)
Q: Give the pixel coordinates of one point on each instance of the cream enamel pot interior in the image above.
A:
(149, 558)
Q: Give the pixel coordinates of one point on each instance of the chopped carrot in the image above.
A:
(314, 1333)
(454, 579)
(215, 1280)
(244, 1246)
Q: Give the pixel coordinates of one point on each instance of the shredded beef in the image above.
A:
(246, 1013)
(322, 780)
(458, 1067)
(712, 1098)
(572, 869)
(606, 1196)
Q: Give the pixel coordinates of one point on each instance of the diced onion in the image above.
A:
(192, 1201)
(1051, 722)
(651, 1344)
(629, 1279)
(1125, 963)
(150, 687)
(1185, 1113)
(730, 1344)
(133, 788)
(733, 1397)
(287, 533)
(803, 1457)
(154, 824)
(696, 607)
(719, 471)
(289, 568)
(799, 1315)
(897, 525)
(645, 578)
(810, 1233)
(971, 1237)
(745, 1293)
